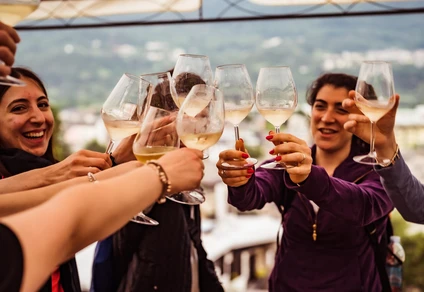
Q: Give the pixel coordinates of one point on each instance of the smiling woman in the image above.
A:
(27, 161)
(26, 118)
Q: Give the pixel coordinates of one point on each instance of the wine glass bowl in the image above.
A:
(190, 70)
(123, 110)
(374, 97)
(11, 12)
(276, 100)
(234, 82)
(157, 134)
(200, 123)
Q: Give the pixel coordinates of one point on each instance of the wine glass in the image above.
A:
(123, 110)
(374, 96)
(189, 71)
(157, 134)
(276, 100)
(234, 83)
(200, 123)
(11, 12)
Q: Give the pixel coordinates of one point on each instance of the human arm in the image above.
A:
(248, 189)
(360, 203)
(405, 190)
(19, 201)
(89, 212)
(8, 40)
(359, 125)
(75, 165)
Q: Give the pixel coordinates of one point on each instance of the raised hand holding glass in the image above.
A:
(374, 96)
(11, 12)
(234, 83)
(276, 100)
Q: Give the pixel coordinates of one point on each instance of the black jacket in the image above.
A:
(157, 258)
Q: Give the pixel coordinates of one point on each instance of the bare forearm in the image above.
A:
(20, 201)
(87, 213)
(25, 181)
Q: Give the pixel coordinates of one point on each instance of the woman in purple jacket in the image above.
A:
(324, 245)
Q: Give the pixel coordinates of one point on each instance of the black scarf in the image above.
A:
(15, 161)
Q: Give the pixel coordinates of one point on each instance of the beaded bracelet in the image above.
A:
(166, 183)
(92, 178)
(393, 159)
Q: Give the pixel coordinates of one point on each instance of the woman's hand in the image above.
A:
(124, 151)
(79, 164)
(8, 40)
(294, 152)
(359, 125)
(184, 168)
(233, 178)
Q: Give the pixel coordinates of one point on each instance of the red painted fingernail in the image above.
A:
(249, 176)
(245, 155)
(250, 170)
(278, 158)
(269, 137)
(272, 151)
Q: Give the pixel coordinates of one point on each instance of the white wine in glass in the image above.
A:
(375, 96)
(123, 110)
(276, 100)
(157, 134)
(11, 12)
(188, 71)
(200, 127)
(234, 83)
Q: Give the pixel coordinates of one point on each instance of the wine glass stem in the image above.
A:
(236, 132)
(372, 140)
(277, 129)
(110, 146)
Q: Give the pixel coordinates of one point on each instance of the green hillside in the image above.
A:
(80, 67)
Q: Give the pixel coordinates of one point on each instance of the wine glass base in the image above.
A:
(193, 197)
(367, 159)
(276, 166)
(145, 220)
(240, 164)
(11, 81)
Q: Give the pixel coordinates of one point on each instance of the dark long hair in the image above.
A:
(19, 72)
(337, 80)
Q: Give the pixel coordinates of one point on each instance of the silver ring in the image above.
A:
(223, 172)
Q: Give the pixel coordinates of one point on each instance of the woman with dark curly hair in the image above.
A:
(328, 199)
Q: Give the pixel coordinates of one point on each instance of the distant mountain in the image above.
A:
(80, 67)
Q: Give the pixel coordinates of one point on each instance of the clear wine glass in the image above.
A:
(157, 134)
(234, 83)
(200, 123)
(276, 100)
(123, 110)
(374, 96)
(11, 12)
(189, 71)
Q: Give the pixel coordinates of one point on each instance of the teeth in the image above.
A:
(327, 131)
(34, 135)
